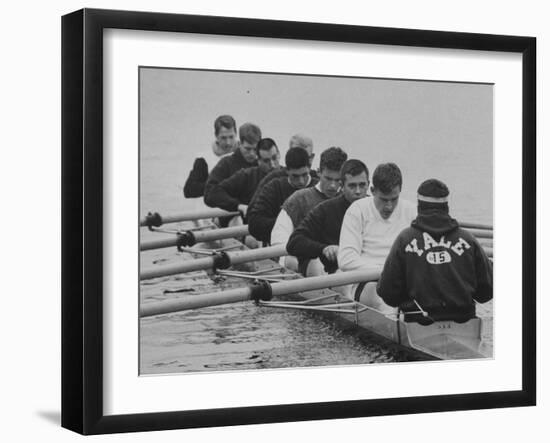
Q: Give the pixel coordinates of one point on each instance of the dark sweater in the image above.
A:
(235, 190)
(276, 173)
(194, 185)
(319, 229)
(226, 167)
(439, 265)
(263, 211)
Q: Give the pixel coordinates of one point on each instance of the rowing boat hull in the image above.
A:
(442, 340)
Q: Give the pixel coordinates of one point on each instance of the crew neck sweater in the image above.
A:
(225, 168)
(366, 238)
(235, 190)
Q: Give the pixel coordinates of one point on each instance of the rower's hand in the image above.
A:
(242, 209)
(331, 252)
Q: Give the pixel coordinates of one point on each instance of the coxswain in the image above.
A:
(434, 265)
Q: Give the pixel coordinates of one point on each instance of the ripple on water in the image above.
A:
(245, 336)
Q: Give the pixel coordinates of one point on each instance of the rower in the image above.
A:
(369, 228)
(435, 265)
(296, 141)
(298, 205)
(244, 157)
(315, 240)
(263, 211)
(234, 193)
(225, 132)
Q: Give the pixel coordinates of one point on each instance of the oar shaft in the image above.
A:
(480, 233)
(197, 264)
(196, 301)
(158, 243)
(190, 215)
(243, 294)
(235, 258)
(323, 281)
(240, 257)
(197, 236)
(475, 225)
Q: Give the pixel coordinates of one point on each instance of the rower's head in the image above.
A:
(268, 155)
(355, 180)
(225, 130)
(331, 162)
(297, 165)
(304, 142)
(250, 135)
(433, 195)
(387, 182)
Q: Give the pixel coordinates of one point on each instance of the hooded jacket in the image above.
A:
(440, 266)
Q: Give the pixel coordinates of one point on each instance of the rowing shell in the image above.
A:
(444, 340)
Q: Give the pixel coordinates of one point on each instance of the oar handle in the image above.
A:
(155, 219)
(190, 238)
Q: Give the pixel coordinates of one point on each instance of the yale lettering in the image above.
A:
(438, 257)
(430, 243)
(413, 247)
(460, 246)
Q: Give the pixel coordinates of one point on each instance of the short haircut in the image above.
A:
(296, 158)
(332, 158)
(386, 177)
(265, 144)
(300, 141)
(224, 121)
(353, 167)
(249, 132)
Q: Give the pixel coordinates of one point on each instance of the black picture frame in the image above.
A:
(82, 220)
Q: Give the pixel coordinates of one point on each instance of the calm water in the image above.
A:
(429, 129)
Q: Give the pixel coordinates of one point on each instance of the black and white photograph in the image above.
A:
(271, 222)
(275, 221)
(297, 221)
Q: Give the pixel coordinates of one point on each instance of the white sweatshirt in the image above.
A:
(366, 238)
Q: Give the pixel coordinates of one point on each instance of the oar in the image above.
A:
(257, 292)
(190, 238)
(156, 219)
(480, 233)
(220, 260)
(475, 225)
